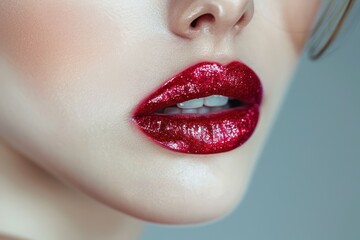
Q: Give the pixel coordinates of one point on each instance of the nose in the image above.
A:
(193, 18)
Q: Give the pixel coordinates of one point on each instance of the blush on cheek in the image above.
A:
(41, 36)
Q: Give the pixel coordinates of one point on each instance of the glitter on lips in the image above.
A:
(203, 133)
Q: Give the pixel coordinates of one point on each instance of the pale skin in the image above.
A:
(72, 165)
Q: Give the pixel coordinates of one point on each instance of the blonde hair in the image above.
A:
(329, 24)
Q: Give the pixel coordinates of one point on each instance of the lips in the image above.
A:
(213, 132)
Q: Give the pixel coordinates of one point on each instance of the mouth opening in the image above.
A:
(206, 109)
(230, 104)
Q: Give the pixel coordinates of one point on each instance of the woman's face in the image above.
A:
(74, 71)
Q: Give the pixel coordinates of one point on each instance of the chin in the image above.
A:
(177, 205)
(174, 188)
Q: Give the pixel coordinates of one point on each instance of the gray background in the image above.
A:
(307, 181)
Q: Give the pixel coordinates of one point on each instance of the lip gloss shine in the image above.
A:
(209, 133)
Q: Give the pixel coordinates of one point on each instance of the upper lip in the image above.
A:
(235, 80)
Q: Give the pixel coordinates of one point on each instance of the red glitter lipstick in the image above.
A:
(214, 132)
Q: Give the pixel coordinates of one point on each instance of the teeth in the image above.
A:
(211, 101)
(195, 103)
(215, 101)
(215, 109)
(203, 110)
(172, 110)
(199, 106)
(193, 110)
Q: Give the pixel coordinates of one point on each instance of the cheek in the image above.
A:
(42, 36)
(295, 17)
(298, 17)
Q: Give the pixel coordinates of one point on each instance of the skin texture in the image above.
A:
(71, 73)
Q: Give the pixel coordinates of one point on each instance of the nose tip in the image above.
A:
(189, 18)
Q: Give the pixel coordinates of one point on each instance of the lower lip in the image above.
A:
(201, 134)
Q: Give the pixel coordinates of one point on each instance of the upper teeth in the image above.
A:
(211, 101)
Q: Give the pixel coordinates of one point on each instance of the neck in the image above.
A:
(35, 205)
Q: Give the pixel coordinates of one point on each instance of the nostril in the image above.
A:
(216, 18)
(202, 20)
